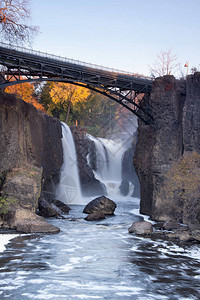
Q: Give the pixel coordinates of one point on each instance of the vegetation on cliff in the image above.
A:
(26, 92)
(183, 188)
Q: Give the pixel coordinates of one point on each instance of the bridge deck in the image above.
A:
(120, 86)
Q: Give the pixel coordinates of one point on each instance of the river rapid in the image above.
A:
(98, 260)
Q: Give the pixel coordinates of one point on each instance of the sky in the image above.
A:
(120, 34)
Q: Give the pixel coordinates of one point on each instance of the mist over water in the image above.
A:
(108, 163)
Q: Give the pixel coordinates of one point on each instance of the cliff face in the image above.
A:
(30, 156)
(89, 184)
(176, 131)
(28, 135)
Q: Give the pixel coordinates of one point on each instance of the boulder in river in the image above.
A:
(141, 228)
(169, 225)
(52, 208)
(95, 216)
(100, 204)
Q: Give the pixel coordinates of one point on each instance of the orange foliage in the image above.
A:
(25, 91)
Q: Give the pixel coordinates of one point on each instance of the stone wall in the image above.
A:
(176, 131)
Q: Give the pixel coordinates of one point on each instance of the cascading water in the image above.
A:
(108, 163)
(69, 190)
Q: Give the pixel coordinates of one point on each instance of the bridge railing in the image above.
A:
(69, 60)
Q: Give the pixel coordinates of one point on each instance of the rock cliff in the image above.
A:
(89, 184)
(176, 130)
(30, 153)
(28, 135)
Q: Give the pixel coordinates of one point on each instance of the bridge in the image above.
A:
(130, 90)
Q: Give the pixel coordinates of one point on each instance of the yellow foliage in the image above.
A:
(25, 92)
(65, 92)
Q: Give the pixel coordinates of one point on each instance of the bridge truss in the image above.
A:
(129, 90)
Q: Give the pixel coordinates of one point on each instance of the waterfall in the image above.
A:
(108, 162)
(69, 190)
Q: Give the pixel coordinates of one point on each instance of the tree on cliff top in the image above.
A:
(164, 64)
(183, 188)
(14, 21)
(26, 92)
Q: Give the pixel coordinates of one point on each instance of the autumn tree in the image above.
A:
(67, 95)
(97, 114)
(15, 21)
(183, 188)
(164, 64)
(26, 92)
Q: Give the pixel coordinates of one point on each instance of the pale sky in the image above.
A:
(121, 34)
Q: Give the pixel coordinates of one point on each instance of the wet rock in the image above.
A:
(172, 235)
(158, 226)
(171, 225)
(193, 227)
(141, 228)
(62, 206)
(128, 171)
(181, 236)
(95, 216)
(184, 236)
(84, 146)
(26, 221)
(52, 208)
(196, 235)
(124, 187)
(100, 204)
(48, 210)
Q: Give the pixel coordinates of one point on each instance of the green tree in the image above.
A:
(5, 203)
(96, 113)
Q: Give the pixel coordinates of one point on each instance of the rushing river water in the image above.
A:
(98, 260)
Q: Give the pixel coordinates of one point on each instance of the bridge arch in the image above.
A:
(121, 87)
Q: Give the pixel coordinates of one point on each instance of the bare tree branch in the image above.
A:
(15, 21)
(164, 64)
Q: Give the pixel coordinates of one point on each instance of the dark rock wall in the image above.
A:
(128, 171)
(28, 135)
(89, 184)
(176, 130)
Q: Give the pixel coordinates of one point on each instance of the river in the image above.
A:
(98, 260)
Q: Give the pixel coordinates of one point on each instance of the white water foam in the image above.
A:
(4, 240)
(69, 190)
(108, 163)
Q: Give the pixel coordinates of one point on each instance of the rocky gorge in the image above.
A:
(32, 155)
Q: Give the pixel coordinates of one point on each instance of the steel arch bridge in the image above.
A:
(21, 65)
